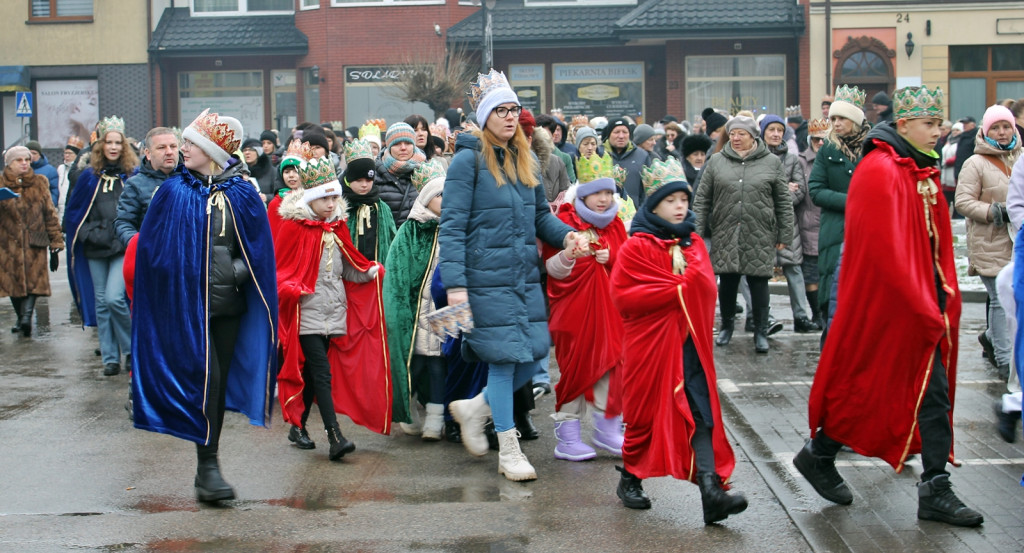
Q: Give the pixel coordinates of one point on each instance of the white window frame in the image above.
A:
(309, 5)
(781, 79)
(243, 9)
(392, 3)
(575, 3)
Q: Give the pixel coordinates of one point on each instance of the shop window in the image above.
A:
(980, 76)
(734, 83)
(606, 89)
(968, 58)
(235, 93)
(1008, 58)
(65, 10)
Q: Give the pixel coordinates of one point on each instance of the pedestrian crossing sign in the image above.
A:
(23, 103)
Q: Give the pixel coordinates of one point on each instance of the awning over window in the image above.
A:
(14, 78)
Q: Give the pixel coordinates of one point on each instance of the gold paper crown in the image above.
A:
(580, 121)
(112, 123)
(620, 175)
(485, 84)
(76, 141)
(381, 124)
(851, 95)
(427, 172)
(316, 172)
(439, 131)
(358, 149)
(793, 111)
(818, 126)
(917, 102)
(594, 167)
(209, 125)
(660, 173)
(369, 129)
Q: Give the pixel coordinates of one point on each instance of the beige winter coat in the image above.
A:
(982, 183)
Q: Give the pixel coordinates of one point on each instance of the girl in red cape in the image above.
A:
(886, 379)
(585, 326)
(332, 331)
(665, 289)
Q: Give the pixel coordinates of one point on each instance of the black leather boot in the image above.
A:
(339, 444)
(16, 303)
(718, 504)
(452, 432)
(28, 306)
(300, 438)
(492, 436)
(525, 426)
(821, 473)
(725, 333)
(761, 332)
(210, 485)
(631, 491)
(936, 501)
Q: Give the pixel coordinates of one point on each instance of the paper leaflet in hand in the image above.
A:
(451, 320)
(8, 194)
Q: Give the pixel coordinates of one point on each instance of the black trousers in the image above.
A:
(932, 422)
(316, 373)
(695, 384)
(223, 334)
(729, 283)
(428, 374)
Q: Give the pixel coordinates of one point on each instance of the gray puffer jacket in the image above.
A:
(743, 205)
(794, 171)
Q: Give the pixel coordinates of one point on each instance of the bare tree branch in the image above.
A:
(438, 77)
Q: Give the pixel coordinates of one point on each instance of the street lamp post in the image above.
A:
(487, 46)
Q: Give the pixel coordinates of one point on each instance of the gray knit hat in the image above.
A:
(744, 123)
(585, 132)
(644, 132)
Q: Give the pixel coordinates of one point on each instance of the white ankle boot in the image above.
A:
(433, 425)
(471, 414)
(511, 460)
(415, 428)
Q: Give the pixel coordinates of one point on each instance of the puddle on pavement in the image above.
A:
(460, 494)
(164, 504)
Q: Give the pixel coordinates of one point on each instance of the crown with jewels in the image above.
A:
(660, 173)
(580, 121)
(112, 123)
(76, 141)
(317, 172)
(485, 84)
(210, 126)
(794, 111)
(595, 167)
(917, 102)
(358, 149)
(369, 129)
(427, 172)
(818, 127)
(381, 124)
(620, 175)
(851, 95)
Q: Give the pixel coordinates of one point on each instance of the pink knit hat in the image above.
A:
(993, 115)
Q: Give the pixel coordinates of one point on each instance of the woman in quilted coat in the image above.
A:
(743, 206)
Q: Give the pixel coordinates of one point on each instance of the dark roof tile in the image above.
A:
(178, 33)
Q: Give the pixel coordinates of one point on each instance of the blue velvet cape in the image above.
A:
(1018, 294)
(170, 334)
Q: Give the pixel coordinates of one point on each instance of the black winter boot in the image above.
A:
(492, 436)
(210, 485)
(300, 438)
(718, 504)
(452, 432)
(525, 426)
(936, 501)
(821, 473)
(16, 303)
(28, 306)
(725, 333)
(631, 491)
(761, 332)
(339, 444)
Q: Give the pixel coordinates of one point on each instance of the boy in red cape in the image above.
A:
(665, 289)
(585, 326)
(332, 332)
(886, 379)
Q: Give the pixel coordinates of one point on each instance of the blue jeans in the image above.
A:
(797, 294)
(542, 371)
(502, 381)
(113, 320)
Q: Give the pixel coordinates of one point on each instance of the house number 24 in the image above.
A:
(903, 18)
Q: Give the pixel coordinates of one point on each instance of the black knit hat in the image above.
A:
(252, 144)
(713, 119)
(359, 168)
(315, 137)
(617, 122)
(696, 143)
(881, 99)
(269, 135)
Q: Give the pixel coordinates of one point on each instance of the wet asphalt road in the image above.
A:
(78, 477)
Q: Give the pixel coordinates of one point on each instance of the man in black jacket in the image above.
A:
(161, 162)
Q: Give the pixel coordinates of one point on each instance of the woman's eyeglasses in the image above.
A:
(502, 111)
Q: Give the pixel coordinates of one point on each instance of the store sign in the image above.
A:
(66, 108)
(607, 89)
(369, 74)
(528, 82)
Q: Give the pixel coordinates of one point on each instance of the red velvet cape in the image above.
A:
(360, 368)
(660, 310)
(880, 350)
(585, 326)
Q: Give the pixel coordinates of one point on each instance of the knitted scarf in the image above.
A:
(397, 167)
(850, 144)
(599, 220)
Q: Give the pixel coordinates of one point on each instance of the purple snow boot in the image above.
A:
(569, 447)
(608, 433)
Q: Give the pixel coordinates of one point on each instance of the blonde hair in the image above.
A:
(520, 165)
(127, 162)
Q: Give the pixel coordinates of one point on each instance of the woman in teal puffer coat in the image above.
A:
(492, 214)
(830, 181)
